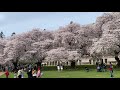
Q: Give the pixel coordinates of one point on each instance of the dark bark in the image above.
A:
(13, 34)
(73, 64)
(106, 61)
(117, 58)
(38, 64)
(118, 61)
(15, 63)
(15, 66)
(1, 34)
(102, 62)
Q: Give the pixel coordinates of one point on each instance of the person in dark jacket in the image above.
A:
(29, 73)
(104, 66)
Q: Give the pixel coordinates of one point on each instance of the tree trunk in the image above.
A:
(15, 66)
(102, 62)
(15, 63)
(118, 61)
(38, 64)
(117, 58)
(73, 64)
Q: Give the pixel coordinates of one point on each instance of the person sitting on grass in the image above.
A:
(98, 68)
(87, 69)
(101, 68)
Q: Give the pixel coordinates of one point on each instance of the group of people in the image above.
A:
(101, 67)
(3, 68)
(59, 67)
(31, 72)
(34, 72)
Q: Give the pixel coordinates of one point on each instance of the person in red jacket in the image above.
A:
(7, 73)
(111, 69)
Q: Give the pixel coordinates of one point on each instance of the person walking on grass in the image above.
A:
(7, 73)
(111, 70)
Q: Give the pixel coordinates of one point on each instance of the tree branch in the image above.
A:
(118, 46)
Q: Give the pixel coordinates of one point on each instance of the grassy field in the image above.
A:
(75, 74)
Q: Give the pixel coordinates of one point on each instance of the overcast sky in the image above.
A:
(24, 21)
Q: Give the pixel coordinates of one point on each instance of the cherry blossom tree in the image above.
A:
(109, 44)
(72, 27)
(15, 50)
(73, 56)
(59, 54)
(68, 43)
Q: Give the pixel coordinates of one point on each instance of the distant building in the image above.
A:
(83, 61)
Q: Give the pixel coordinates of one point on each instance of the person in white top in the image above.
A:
(19, 75)
(15, 74)
(58, 67)
(22, 73)
(61, 66)
(34, 72)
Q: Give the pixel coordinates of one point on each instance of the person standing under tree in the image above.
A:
(29, 72)
(104, 66)
(111, 70)
(61, 66)
(58, 67)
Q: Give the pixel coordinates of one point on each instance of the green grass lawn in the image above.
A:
(75, 74)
